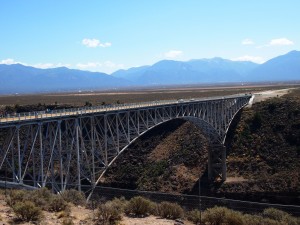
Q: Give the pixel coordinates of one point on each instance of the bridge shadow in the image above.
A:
(204, 186)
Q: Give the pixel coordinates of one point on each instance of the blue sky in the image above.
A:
(105, 36)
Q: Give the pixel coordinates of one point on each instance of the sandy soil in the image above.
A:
(149, 220)
(235, 179)
(264, 95)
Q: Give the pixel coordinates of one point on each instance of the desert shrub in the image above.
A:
(41, 197)
(108, 214)
(43, 193)
(155, 169)
(275, 214)
(290, 220)
(280, 216)
(138, 206)
(214, 216)
(259, 220)
(73, 196)
(57, 204)
(88, 104)
(67, 221)
(119, 203)
(65, 213)
(170, 210)
(221, 215)
(253, 219)
(256, 122)
(27, 211)
(271, 107)
(234, 218)
(16, 196)
(194, 216)
(154, 208)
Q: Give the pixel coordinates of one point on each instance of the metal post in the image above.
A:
(128, 125)
(118, 134)
(19, 156)
(60, 156)
(5, 180)
(200, 198)
(41, 154)
(210, 173)
(93, 148)
(13, 159)
(105, 140)
(138, 121)
(224, 175)
(78, 153)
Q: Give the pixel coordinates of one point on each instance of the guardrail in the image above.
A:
(104, 108)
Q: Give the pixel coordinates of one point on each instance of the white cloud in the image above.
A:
(280, 41)
(173, 53)
(37, 65)
(106, 67)
(9, 61)
(247, 41)
(44, 65)
(88, 65)
(50, 65)
(63, 65)
(93, 43)
(256, 59)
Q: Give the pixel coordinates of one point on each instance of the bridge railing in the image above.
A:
(78, 111)
(94, 109)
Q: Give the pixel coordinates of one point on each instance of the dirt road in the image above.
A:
(261, 96)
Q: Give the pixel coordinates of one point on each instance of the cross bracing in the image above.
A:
(67, 149)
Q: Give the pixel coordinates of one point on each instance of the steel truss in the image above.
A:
(69, 152)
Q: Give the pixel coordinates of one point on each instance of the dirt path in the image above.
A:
(149, 220)
(264, 95)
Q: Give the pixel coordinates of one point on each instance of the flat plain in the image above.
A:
(140, 95)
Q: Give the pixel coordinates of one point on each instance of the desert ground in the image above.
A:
(129, 96)
(79, 215)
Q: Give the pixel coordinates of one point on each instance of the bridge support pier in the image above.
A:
(217, 163)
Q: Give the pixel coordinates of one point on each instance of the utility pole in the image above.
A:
(5, 180)
(200, 198)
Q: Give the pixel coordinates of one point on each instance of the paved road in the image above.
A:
(76, 111)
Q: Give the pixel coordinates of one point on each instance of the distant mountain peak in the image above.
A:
(294, 52)
(20, 78)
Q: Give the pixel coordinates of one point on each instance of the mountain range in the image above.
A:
(17, 78)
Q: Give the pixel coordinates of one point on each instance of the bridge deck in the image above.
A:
(43, 115)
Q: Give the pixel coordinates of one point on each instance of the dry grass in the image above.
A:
(97, 98)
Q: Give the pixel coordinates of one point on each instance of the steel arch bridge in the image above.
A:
(64, 149)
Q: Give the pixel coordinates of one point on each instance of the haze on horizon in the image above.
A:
(105, 36)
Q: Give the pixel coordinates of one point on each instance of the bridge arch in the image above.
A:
(208, 130)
